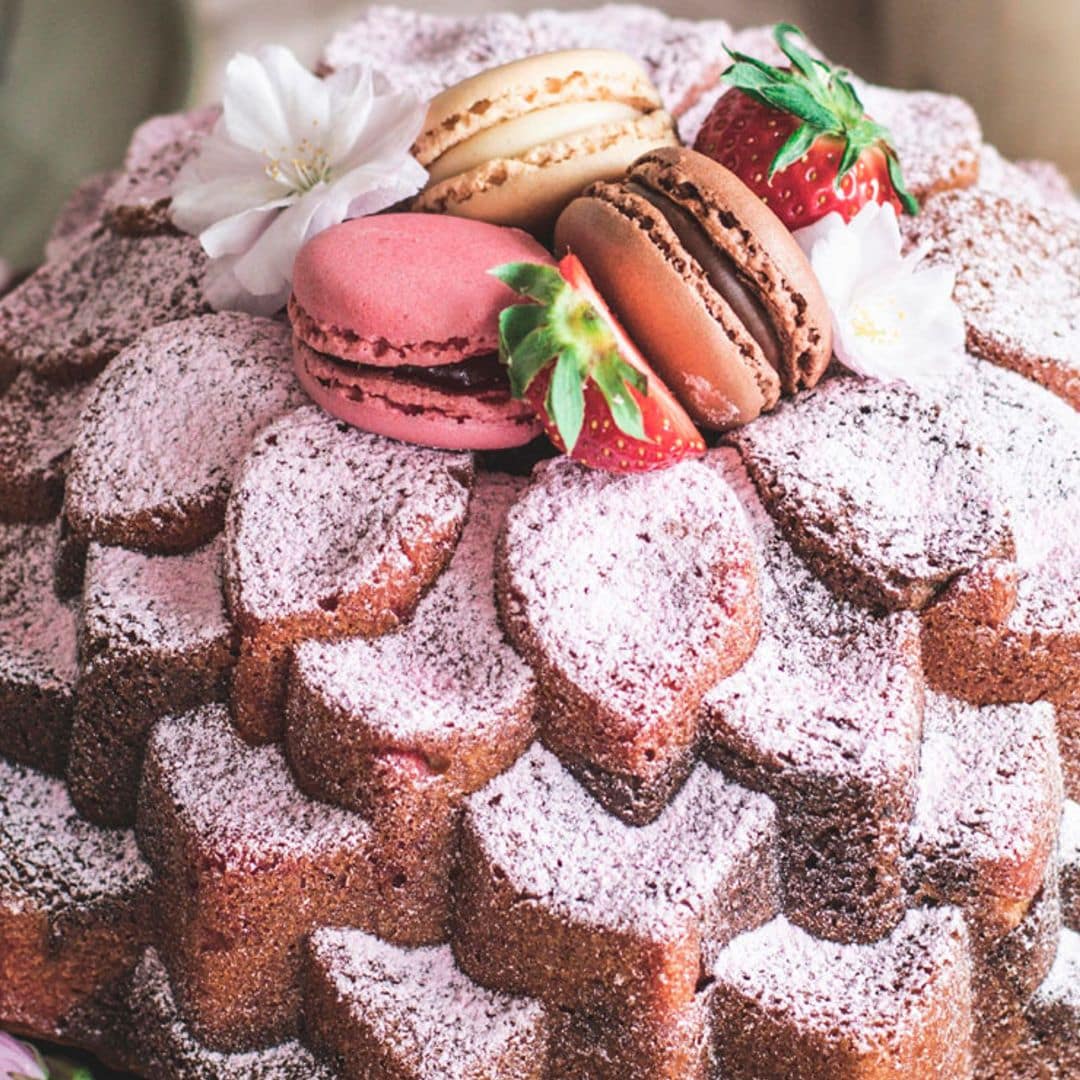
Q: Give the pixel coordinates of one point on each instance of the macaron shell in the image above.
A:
(406, 288)
(518, 136)
(666, 312)
(529, 85)
(531, 190)
(410, 412)
(760, 244)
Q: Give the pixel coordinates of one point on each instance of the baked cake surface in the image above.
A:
(323, 755)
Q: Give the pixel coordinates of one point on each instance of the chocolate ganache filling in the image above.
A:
(474, 375)
(721, 271)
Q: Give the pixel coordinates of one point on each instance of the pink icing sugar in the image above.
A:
(557, 846)
(50, 858)
(449, 673)
(421, 1009)
(169, 423)
(319, 509)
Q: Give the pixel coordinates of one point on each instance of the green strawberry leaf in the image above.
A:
(516, 324)
(566, 398)
(907, 200)
(852, 149)
(535, 352)
(613, 376)
(800, 102)
(823, 97)
(540, 283)
(797, 144)
(752, 69)
(800, 59)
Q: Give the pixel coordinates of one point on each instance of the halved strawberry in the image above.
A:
(800, 138)
(598, 399)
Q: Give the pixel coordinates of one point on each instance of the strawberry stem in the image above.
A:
(562, 328)
(826, 102)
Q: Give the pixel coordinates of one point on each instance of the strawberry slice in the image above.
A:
(800, 138)
(598, 399)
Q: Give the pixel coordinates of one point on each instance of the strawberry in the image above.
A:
(800, 138)
(598, 399)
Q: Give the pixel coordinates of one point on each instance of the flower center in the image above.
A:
(879, 319)
(299, 168)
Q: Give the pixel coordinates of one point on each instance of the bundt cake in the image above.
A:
(326, 755)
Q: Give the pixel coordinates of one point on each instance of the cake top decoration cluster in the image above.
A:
(696, 287)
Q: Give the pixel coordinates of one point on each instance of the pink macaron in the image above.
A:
(396, 328)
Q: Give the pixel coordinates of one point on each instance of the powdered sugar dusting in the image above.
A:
(626, 583)
(1018, 281)
(425, 1013)
(75, 313)
(989, 799)
(684, 57)
(81, 213)
(51, 858)
(170, 421)
(1061, 988)
(239, 800)
(831, 689)
(870, 996)
(449, 673)
(320, 509)
(167, 604)
(37, 429)
(37, 631)
(138, 201)
(1039, 184)
(937, 136)
(557, 845)
(1029, 445)
(1070, 841)
(880, 489)
(428, 53)
(165, 1041)
(148, 139)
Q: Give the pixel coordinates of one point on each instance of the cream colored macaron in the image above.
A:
(515, 144)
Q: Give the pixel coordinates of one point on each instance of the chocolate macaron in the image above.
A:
(396, 329)
(707, 280)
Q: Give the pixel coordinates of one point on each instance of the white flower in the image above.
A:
(292, 155)
(891, 319)
(19, 1060)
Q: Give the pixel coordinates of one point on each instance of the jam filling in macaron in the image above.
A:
(396, 329)
(709, 283)
(513, 145)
